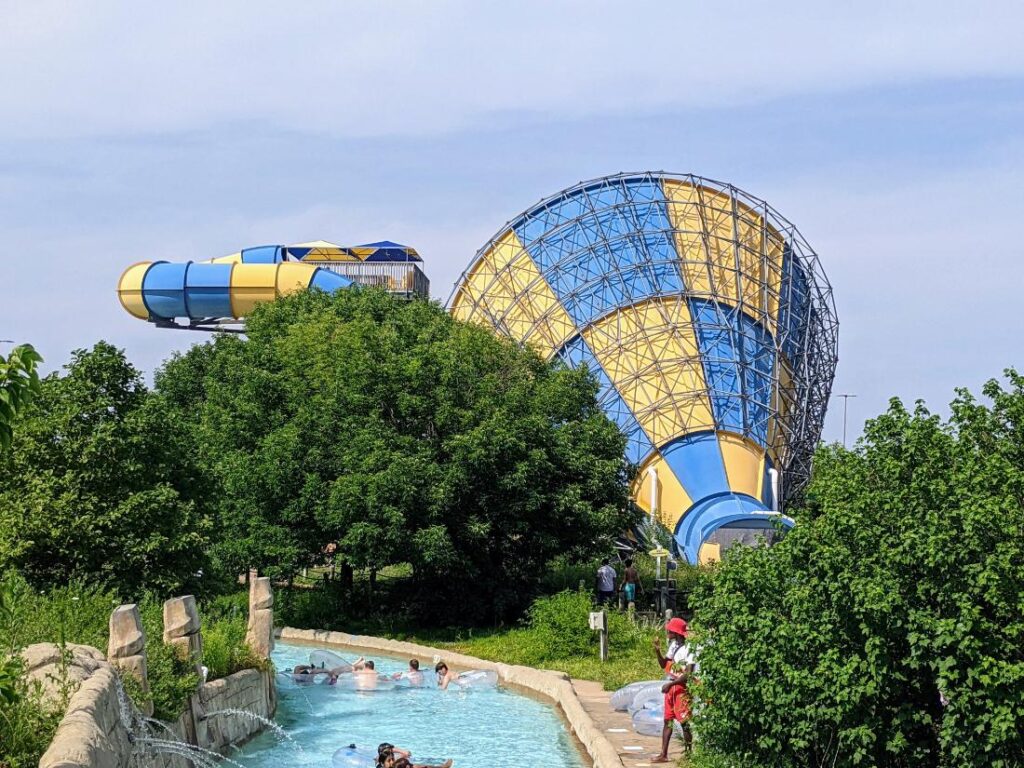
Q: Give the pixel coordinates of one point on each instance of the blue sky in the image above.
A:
(889, 133)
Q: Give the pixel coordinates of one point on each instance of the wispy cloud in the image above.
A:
(889, 133)
(372, 68)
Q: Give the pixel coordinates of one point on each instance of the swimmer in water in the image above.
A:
(412, 674)
(445, 676)
(363, 673)
(390, 756)
(306, 673)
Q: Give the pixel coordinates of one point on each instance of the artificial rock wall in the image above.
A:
(100, 728)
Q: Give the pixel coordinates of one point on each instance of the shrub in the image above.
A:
(225, 650)
(560, 625)
(27, 721)
(885, 629)
(75, 613)
(172, 679)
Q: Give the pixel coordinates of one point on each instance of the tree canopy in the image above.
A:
(100, 483)
(886, 628)
(19, 382)
(392, 433)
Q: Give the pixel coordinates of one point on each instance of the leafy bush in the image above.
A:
(172, 679)
(560, 627)
(402, 436)
(27, 721)
(101, 483)
(74, 613)
(885, 629)
(225, 650)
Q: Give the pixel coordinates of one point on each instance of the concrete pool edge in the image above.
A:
(553, 686)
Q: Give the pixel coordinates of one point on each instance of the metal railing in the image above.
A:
(401, 278)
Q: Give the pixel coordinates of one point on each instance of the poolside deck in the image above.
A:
(634, 750)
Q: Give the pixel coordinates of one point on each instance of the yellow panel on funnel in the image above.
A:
(505, 290)
(129, 289)
(670, 500)
(709, 552)
(651, 355)
(744, 463)
(783, 403)
(727, 251)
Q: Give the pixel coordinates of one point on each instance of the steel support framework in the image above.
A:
(698, 307)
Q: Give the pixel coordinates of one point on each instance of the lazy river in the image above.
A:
(478, 728)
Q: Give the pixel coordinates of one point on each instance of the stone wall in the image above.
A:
(102, 728)
(250, 690)
(553, 686)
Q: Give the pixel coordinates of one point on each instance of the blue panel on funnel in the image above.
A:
(697, 462)
(263, 254)
(705, 518)
(617, 253)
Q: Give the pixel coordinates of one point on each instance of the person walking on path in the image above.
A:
(605, 583)
(630, 584)
(678, 664)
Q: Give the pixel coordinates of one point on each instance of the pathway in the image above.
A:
(634, 750)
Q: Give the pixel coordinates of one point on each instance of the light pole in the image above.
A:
(846, 400)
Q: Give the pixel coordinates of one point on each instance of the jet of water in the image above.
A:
(258, 718)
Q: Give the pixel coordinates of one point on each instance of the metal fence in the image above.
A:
(401, 278)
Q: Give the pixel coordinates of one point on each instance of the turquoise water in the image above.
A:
(478, 728)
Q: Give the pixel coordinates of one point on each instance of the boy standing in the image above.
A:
(678, 664)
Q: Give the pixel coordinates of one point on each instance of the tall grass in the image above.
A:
(80, 613)
(556, 635)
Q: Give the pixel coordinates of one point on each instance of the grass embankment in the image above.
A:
(556, 636)
(554, 633)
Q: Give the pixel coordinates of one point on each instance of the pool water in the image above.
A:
(478, 728)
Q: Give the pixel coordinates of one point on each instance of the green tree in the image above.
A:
(19, 383)
(399, 435)
(886, 628)
(101, 483)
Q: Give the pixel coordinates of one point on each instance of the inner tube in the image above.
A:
(648, 697)
(412, 680)
(364, 681)
(328, 660)
(354, 757)
(478, 678)
(623, 698)
(649, 722)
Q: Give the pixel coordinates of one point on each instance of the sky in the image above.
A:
(891, 134)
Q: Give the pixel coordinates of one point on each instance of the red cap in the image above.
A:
(676, 626)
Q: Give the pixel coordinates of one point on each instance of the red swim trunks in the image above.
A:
(677, 704)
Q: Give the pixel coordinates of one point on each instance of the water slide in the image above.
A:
(228, 287)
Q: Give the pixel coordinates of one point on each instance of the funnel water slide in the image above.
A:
(707, 322)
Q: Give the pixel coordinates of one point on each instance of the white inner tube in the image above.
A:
(354, 757)
(328, 660)
(478, 678)
(623, 698)
(646, 696)
(649, 722)
(412, 679)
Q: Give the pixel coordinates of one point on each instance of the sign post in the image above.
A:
(599, 621)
